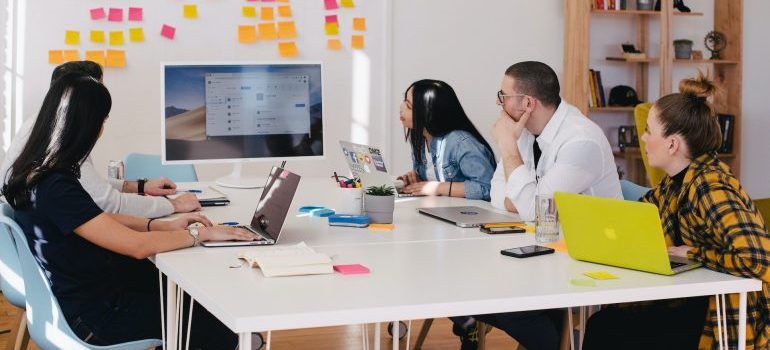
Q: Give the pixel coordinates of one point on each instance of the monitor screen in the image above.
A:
(228, 112)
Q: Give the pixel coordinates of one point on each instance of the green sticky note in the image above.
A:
(601, 275)
(582, 282)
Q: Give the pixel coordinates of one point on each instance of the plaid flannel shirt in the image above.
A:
(717, 218)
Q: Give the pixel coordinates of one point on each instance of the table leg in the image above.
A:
(171, 312)
(571, 329)
(377, 336)
(396, 334)
(162, 311)
(742, 321)
(244, 341)
(582, 327)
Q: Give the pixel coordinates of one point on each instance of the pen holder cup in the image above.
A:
(349, 201)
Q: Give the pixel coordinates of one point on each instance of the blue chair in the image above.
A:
(11, 280)
(47, 325)
(632, 191)
(149, 166)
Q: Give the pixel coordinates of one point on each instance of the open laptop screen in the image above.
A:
(275, 201)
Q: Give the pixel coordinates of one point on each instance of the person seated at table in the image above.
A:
(114, 196)
(449, 155)
(95, 261)
(708, 217)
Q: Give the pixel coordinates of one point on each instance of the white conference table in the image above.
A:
(423, 269)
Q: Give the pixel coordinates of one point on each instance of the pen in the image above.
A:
(336, 178)
(191, 191)
(228, 223)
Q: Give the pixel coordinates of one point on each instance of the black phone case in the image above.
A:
(527, 255)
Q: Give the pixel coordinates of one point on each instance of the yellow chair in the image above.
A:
(642, 110)
(763, 205)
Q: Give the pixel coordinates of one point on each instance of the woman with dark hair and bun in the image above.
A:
(708, 217)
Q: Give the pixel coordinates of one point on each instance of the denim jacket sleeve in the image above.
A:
(475, 165)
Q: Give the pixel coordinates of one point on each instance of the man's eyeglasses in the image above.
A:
(501, 96)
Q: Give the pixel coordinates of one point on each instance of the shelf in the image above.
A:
(623, 59)
(682, 61)
(641, 13)
(611, 109)
(705, 61)
(634, 153)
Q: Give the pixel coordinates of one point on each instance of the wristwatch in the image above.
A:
(140, 185)
(193, 230)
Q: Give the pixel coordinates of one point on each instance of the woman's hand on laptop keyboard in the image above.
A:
(409, 178)
(225, 233)
(180, 222)
(679, 251)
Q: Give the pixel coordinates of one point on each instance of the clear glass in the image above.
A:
(546, 219)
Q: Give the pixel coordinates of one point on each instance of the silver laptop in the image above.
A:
(469, 216)
(272, 208)
(368, 164)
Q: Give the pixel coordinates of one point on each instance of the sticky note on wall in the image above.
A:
(347, 3)
(70, 55)
(267, 31)
(330, 4)
(287, 49)
(115, 59)
(72, 37)
(249, 11)
(116, 38)
(136, 34)
(247, 34)
(268, 14)
(284, 11)
(359, 23)
(55, 57)
(190, 11)
(116, 15)
(98, 13)
(332, 18)
(332, 28)
(287, 30)
(96, 56)
(334, 44)
(135, 14)
(357, 42)
(97, 36)
(167, 31)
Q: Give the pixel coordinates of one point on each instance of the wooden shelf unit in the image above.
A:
(727, 72)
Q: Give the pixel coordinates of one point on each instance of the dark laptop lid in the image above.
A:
(275, 202)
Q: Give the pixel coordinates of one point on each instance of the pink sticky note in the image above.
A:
(330, 4)
(268, 0)
(98, 13)
(135, 13)
(331, 18)
(116, 15)
(352, 269)
(168, 31)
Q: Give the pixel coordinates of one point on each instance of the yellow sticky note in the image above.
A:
(190, 11)
(359, 23)
(268, 14)
(249, 11)
(579, 282)
(96, 56)
(97, 36)
(357, 42)
(55, 57)
(283, 0)
(247, 34)
(382, 227)
(116, 38)
(115, 58)
(287, 49)
(136, 34)
(286, 30)
(284, 11)
(347, 3)
(267, 31)
(70, 55)
(332, 28)
(601, 275)
(72, 37)
(334, 44)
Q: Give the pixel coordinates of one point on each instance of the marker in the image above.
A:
(228, 223)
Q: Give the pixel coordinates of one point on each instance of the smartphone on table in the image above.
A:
(527, 251)
(502, 229)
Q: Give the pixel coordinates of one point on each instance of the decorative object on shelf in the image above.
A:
(379, 203)
(682, 49)
(631, 53)
(678, 4)
(715, 42)
(624, 96)
(697, 54)
(627, 137)
(726, 124)
(644, 5)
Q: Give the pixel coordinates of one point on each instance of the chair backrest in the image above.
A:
(149, 166)
(632, 191)
(11, 280)
(641, 112)
(763, 205)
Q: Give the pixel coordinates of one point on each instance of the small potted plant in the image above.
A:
(682, 49)
(379, 202)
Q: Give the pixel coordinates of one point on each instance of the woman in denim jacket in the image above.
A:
(449, 156)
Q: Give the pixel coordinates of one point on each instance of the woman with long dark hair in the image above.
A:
(95, 261)
(449, 155)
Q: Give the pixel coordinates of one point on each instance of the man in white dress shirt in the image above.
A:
(114, 196)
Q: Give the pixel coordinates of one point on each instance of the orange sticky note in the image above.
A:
(136, 34)
(287, 49)
(559, 246)
(286, 30)
(332, 28)
(96, 56)
(55, 57)
(334, 44)
(357, 42)
(116, 38)
(382, 227)
(283, 0)
(249, 11)
(267, 31)
(247, 34)
(284, 11)
(72, 37)
(359, 23)
(70, 55)
(347, 3)
(97, 36)
(268, 14)
(190, 11)
(116, 58)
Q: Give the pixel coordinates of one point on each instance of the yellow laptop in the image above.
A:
(618, 233)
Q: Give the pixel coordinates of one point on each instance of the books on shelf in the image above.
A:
(596, 88)
(292, 260)
(617, 5)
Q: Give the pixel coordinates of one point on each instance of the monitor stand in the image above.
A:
(236, 180)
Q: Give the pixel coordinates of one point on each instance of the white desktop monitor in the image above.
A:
(236, 112)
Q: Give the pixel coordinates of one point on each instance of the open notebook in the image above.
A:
(207, 196)
(293, 260)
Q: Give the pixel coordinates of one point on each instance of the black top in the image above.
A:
(81, 273)
(536, 151)
(676, 233)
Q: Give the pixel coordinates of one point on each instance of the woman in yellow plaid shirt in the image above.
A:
(708, 217)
